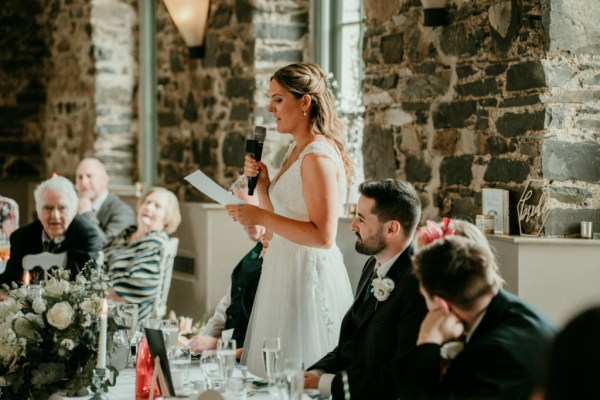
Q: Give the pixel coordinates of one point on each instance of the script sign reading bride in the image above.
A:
(533, 208)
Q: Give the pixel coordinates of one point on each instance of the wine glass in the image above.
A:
(128, 313)
(226, 352)
(170, 331)
(271, 354)
(209, 362)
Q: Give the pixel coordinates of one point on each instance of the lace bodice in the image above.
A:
(286, 191)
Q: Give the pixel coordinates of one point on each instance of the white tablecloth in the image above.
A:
(125, 388)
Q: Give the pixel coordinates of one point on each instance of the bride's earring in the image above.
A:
(304, 113)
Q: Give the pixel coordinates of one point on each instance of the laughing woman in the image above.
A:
(133, 257)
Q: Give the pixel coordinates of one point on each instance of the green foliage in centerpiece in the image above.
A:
(49, 336)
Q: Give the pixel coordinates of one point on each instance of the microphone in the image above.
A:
(254, 147)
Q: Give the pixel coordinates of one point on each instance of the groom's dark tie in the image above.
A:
(367, 295)
(49, 246)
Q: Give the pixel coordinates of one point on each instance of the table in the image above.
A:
(125, 388)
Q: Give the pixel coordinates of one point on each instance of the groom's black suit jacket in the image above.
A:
(81, 243)
(500, 361)
(374, 333)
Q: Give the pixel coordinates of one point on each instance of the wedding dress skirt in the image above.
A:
(304, 292)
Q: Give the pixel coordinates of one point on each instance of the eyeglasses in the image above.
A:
(48, 209)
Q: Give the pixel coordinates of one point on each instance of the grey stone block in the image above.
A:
(454, 115)
(424, 86)
(392, 48)
(417, 170)
(512, 125)
(506, 170)
(567, 222)
(525, 75)
(456, 170)
(484, 87)
(378, 152)
(571, 161)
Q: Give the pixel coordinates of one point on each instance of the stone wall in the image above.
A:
(475, 104)
(208, 107)
(68, 74)
(24, 54)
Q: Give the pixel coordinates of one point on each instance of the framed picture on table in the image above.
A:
(495, 202)
(156, 344)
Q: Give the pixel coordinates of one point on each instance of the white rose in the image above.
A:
(67, 344)
(450, 350)
(87, 306)
(60, 315)
(39, 305)
(382, 288)
(80, 280)
(8, 307)
(56, 287)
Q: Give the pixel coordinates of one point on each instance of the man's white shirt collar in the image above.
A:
(96, 204)
(383, 269)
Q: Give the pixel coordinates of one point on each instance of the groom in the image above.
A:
(384, 320)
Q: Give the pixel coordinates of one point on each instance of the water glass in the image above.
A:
(271, 354)
(180, 367)
(128, 313)
(209, 362)
(226, 353)
(236, 389)
(293, 374)
(170, 331)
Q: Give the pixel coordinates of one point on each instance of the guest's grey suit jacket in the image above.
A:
(112, 218)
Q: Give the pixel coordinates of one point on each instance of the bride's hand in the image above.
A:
(253, 167)
(246, 214)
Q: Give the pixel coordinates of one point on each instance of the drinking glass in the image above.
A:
(271, 353)
(170, 331)
(226, 353)
(128, 313)
(180, 367)
(293, 373)
(209, 362)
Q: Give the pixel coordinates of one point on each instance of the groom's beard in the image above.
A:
(371, 246)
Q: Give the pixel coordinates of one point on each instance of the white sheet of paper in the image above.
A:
(227, 334)
(212, 189)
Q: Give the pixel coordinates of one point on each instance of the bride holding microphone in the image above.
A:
(304, 290)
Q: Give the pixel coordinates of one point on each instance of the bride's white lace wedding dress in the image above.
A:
(304, 292)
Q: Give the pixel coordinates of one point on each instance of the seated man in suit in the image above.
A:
(104, 210)
(58, 229)
(503, 336)
(384, 320)
(234, 309)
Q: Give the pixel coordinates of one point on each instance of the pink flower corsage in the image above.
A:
(434, 231)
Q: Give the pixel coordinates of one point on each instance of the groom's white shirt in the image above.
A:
(326, 379)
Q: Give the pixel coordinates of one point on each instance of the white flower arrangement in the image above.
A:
(450, 350)
(48, 337)
(382, 288)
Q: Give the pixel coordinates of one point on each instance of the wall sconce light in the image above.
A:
(435, 13)
(191, 18)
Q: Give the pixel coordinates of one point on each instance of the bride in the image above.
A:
(304, 290)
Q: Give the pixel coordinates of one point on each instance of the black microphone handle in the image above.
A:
(257, 154)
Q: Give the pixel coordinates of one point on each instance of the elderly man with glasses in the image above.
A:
(58, 229)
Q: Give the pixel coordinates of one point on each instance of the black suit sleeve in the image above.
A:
(14, 267)
(83, 244)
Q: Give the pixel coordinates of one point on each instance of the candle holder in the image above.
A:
(98, 383)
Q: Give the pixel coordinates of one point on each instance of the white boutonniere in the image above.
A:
(450, 350)
(382, 287)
